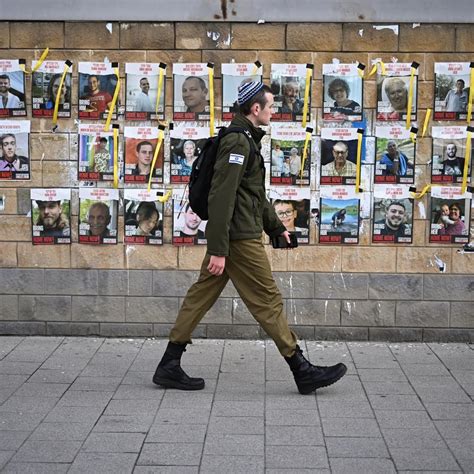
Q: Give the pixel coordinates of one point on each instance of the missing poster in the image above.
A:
(97, 82)
(191, 92)
(287, 154)
(392, 214)
(12, 89)
(46, 81)
(339, 215)
(188, 227)
(343, 96)
(142, 90)
(395, 156)
(96, 153)
(50, 216)
(140, 146)
(15, 150)
(143, 217)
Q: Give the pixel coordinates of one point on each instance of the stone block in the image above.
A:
(15, 228)
(9, 201)
(267, 58)
(314, 36)
(113, 282)
(340, 285)
(462, 315)
(422, 260)
(341, 334)
(295, 285)
(140, 282)
(396, 334)
(420, 233)
(190, 258)
(465, 37)
(368, 259)
(72, 329)
(145, 257)
(23, 200)
(423, 149)
(448, 335)
(9, 305)
(368, 313)
(203, 35)
(172, 282)
(448, 287)
(368, 37)
(71, 282)
(23, 328)
(126, 330)
(220, 313)
(173, 56)
(278, 259)
(370, 94)
(313, 312)
(422, 314)
(97, 256)
(43, 256)
(462, 262)
(427, 37)
(395, 287)
(91, 35)
(50, 146)
(316, 259)
(425, 93)
(5, 37)
(146, 35)
(8, 255)
(151, 309)
(17, 281)
(229, 331)
(45, 308)
(60, 174)
(163, 330)
(253, 36)
(36, 34)
(98, 308)
(217, 57)
(246, 331)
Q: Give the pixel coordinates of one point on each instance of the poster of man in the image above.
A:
(143, 217)
(140, 146)
(339, 215)
(96, 153)
(392, 214)
(450, 215)
(449, 150)
(12, 89)
(288, 84)
(46, 81)
(395, 156)
(142, 90)
(98, 215)
(233, 76)
(452, 83)
(188, 227)
(14, 150)
(287, 151)
(292, 206)
(343, 92)
(191, 92)
(393, 91)
(97, 83)
(50, 216)
(186, 143)
(338, 155)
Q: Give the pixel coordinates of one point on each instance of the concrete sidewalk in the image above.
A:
(82, 405)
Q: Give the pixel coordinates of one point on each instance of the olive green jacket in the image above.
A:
(237, 204)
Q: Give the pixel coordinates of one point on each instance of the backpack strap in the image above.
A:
(253, 150)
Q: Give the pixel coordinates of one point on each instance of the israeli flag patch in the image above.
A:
(236, 159)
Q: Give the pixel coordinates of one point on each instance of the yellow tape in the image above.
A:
(467, 160)
(361, 72)
(305, 152)
(426, 122)
(471, 96)
(410, 97)
(160, 86)
(38, 64)
(114, 101)
(155, 156)
(359, 153)
(211, 100)
(58, 95)
(116, 173)
(309, 75)
(374, 69)
(166, 197)
(422, 193)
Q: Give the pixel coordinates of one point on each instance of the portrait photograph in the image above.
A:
(392, 220)
(394, 160)
(12, 89)
(339, 221)
(338, 161)
(15, 150)
(188, 227)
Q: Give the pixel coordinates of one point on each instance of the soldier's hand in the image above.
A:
(216, 265)
(286, 234)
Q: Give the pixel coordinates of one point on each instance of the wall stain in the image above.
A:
(224, 9)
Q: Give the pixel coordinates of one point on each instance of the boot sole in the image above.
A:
(168, 383)
(324, 383)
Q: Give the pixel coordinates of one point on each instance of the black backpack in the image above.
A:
(203, 170)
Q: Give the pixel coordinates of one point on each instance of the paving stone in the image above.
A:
(344, 447)
(185, 415)
(426, 458)
(455, 429)
(74, 414)
(18, 368)
(16, 404)
(171, 454)
(450, 411)
(47, 451)
(183, 399)
(61, 431)
(293, 435)
(54, 376)
(292, 417)
(234, 444)
(403, 419)
(79, 398)
(114, 442)
(121, 463)
(238, 408)
(395, 402)
(236, 425)
(346, 409)
(36, 468)
(123, 423)
(295, 457)
(389, 388)
(131, 392)
(233, 464)
(12, 440)
(382, 375)
(351, 427)
(132, 407)
(367, 466)
(105, 384)
(413, 437)
(19, 421)
(174, 433)
(166, 470)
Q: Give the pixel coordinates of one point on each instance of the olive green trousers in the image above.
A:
(248, 268)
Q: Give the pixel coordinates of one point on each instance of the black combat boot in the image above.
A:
(169, 373)
(309, 377)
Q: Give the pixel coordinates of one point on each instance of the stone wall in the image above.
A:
(366, 291)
